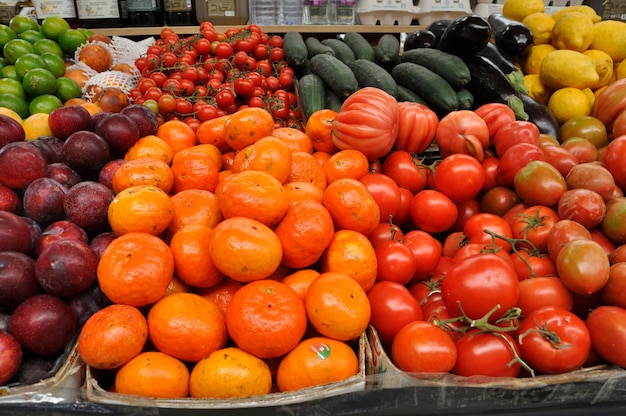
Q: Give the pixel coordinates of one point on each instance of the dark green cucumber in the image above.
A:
(370, 74)
(361, 47)
(465, 99)
(429, 85)
(314, 47)
(337, 75)
(341, 49)
(312, 91)
(405, 94)
(332, 101)
(296, 52)
(450, 67)
(387, 51)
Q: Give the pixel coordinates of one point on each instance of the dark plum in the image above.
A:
(63, 174)
(120, 131)
(15, 233)
(66, 120)
(10, 131)
(17, 279)
(87, 204)
(20, 164)
(10, 356)
(86, 152)
(60, 230)
(144, 117)
(43, 200)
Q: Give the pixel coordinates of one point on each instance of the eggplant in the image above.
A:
(541, 115)
(465, 36)
(515, 75)
(512, 37)
(421, 38)
(488, 84)
(438, 27)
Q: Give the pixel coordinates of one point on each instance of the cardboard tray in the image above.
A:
(93, 392)
(63, 386)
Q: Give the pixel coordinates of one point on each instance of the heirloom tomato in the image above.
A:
(610, 102)
(515, 158)
(562, 233)
(539, 183)
(583, 266)
(417, 125)
(518, 131)
(614, 224)
(495, 115)
(462, 131)
(613, 160)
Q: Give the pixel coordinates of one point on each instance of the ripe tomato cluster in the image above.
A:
(210, 74)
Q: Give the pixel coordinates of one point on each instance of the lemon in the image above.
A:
(604, 66)
(588, 10)
(567, 68)
(589, 93)
(620, 70)
(573, 31)
(610, 36)
(519, 9)
(536, 88)
(535, 56)
(568, 103)
(540, 24)
(36, 125)
(8, 112)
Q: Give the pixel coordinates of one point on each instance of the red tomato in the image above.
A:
(479, 285)
(462, 131)
(385, 232)
(516, 157)
(385, 192)
(432, 211)
(224, 50)
(396, 262)
(426, 249)
(543, 291)
(490, 166)
(466, 209)
(453, 243)
(406, 170)
(487, 354)
(613, 160)
(367, 121)
(495, 115)
(610, 102)
(553, 340)
(459, 176)
(583, 149)
(499, 200)
(423, 347)
(393, 306)
(583, 266)
(613, 224)
(518, 131)
(607, 327)
(403, 213)
(562, 233)
(476, 228)
(529, 264)
(584, 206)
(592, 176)
(560, 158)
(417, 125)
(533, 225)
(540, 183)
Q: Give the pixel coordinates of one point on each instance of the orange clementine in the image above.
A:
(269, 155)
(230, 373)
(305, 232)
(140, 209)
(298, 191)
(300, 281)
(135, 269)
(92, 108)
(306, 168)
(144, 171)
(245, 249)
(296, 140)
(150, 146)
(253, 194)
(212, 132)
(321, 157)
(112, 336)
(153, 374)
(316, 361)
(193, 207)
(246, 126)
(176, 286)
(352, 253)
(192, 259)
(319, 127)
(194, 170)
(177, 134)
(337, 306)
(349, 163)
(266, 318)
(186, 326)
(228, 159)
(221, 293)
(351, 206)
(210, 150)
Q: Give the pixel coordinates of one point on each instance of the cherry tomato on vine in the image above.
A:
(275, 41)
(183, 106)
(225, 99)
(167, 103)
(223, 50)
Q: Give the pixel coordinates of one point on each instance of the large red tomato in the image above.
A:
(495, 115)
(367, 121)
(486, 354)
(607, 326)
(432, 211)
(538, 292)
(406, 170)
(518, 131)
(610, 102)
(420, 346)
(533, 225)
(460, 177)
(463, 131)
(539, 183)
(417, 125)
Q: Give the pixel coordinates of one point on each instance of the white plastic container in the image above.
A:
(433, 10)
(263, 12)
(386, 12)
(315, 12)
(290, 12)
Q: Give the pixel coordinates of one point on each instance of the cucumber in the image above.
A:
(342, 51)
(312, 91)
(314, 47)
(360, 46)
(450, 67)
(337, 75)
(332, 101)
(405, 94)
(387, 51)
(370, 74)
(435, 90)
(465, 98)
(296, 52)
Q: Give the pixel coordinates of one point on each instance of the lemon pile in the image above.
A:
(575, 55)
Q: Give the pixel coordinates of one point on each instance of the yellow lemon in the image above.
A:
(573, 31)
(519, 9)
(610, 36)
(568, 103)
(536, 88)
(604, 66)
(8, 112)
(567, 68)
(532, 62)
(587, 10)
(540, 24)
(36, 125)
(589, 93)
(619, 69)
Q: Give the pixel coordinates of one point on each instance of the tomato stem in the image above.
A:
(513, 242)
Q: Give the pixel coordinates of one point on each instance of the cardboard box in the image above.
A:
(93, 392)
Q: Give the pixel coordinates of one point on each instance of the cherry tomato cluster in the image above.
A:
(209, 74)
